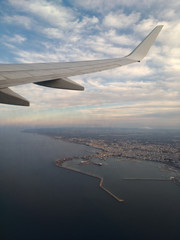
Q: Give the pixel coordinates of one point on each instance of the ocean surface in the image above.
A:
(41, 201)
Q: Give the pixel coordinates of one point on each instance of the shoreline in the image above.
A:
(108, 154)
(168, 165)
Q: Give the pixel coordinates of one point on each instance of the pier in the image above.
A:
(92, 175)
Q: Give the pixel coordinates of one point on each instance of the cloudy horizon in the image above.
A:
(140, 95)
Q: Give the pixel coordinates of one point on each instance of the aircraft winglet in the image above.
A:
(142, 49)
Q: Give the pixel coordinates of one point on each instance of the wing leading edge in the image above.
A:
(56, 75)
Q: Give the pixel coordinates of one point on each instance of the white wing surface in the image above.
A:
(56, 75)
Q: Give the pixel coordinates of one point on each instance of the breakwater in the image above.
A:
(91, 175)
(147, 179)
(175, 180)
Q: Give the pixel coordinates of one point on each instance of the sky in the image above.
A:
(141, 95)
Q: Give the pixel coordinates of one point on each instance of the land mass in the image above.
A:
(151, 145)
(168, 153)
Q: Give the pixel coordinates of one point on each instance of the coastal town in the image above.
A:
(168, 153)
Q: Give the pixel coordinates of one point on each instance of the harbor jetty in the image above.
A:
(148, 179)
(59, 163)
(173, 179)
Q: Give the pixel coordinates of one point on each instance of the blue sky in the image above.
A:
(144, 95)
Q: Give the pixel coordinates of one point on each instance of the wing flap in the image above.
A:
(62, 83)
(7, 96)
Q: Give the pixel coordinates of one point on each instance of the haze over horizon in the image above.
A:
(142, 95)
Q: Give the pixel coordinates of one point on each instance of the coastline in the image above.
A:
(104, 154)
(106, 151)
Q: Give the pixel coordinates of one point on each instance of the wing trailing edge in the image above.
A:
(7, 96)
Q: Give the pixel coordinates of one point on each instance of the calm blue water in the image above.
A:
(41, 201)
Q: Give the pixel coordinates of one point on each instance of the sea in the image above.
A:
(39, 200)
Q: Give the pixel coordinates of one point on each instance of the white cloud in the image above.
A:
(120, 20)
(53, 33)
(14, 39)
(54, 14)
(18, 20)
(108, 5)
(35, 57)
(121, 39)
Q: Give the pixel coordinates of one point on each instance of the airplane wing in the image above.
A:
(56, 75)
